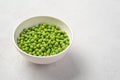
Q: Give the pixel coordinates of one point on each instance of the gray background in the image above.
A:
(95, 52)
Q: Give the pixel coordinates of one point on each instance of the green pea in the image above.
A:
(34, 52)
(30, 50)
(42, 27)
(25, 45)
(40, 40)
(40, 51)
(21, 38)
(42, 54)
(63, 47)
(45, 54)
(31, 46)
(53, 53)
(43, 40)
(50, 46)
(37, 45)
(26, 48)
(38, 33)
(48, 52)
(19, 46)
(42, 48)
(32, 40)
(56, 44)
(30, 53)
(37, 53)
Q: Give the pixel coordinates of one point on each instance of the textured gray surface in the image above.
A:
(94, 55)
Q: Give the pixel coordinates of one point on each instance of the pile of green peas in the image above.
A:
(43, 40)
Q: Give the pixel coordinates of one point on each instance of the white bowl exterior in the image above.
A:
(39, 60)
(38, 20)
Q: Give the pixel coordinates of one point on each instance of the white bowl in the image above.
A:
(35, 21)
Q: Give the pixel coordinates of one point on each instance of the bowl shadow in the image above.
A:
(66, 69)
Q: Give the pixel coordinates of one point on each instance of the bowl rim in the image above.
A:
(25, 53)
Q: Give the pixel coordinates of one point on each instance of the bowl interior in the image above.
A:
(42, 19)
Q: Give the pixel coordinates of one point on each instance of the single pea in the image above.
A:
(45, 54)
(31, 46)
(28, 30)
(22, 35)
(42, 27)
(32, 40)
(25, 30)
(30, 50)
(63, 47)
(18, 42)
(63, 44)
(19, 46)
(59, 49)
(48, 52)
(45, 25)
(40, 40)
(42, 54)
(52, 50)
(37, 53)
(38, 45)
(56, 44)
(60, 42)
(22, 40)
(53, 53)
(25, 45)
(18, 38)
(57, 39)
(50, 46)
(34, 52)
(42, 48)
(30, 53)
(26, 48)
(23, 49)
(67, 42)
(35, 36)
(40, 51)
(35, 41)
(43, 43)
(38, 33)
(28, 41)
(52, 42)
